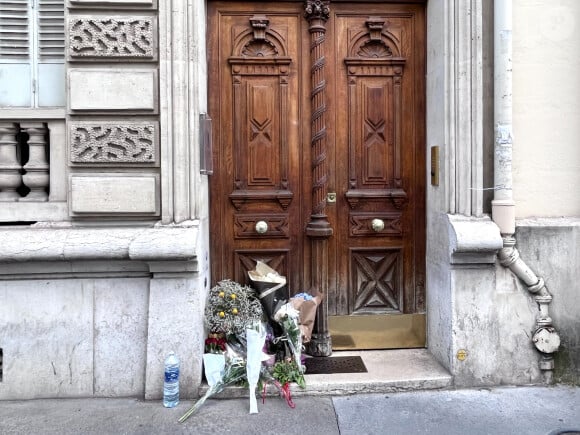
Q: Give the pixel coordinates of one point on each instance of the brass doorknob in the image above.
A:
(261, 227)
(378, 225)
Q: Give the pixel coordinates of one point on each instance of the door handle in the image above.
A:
(261, 227)
(378, 225)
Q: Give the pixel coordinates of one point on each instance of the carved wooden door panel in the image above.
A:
(254, 95)
(378, 141)
(318, 157)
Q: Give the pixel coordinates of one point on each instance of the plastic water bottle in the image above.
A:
(171, 383)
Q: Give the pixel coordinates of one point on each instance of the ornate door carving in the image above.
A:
(309, 99)
(254, 94)
(380, 138)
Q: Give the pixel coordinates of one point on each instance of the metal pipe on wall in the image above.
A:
(545, 338)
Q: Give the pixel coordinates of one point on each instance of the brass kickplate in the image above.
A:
(388, 331)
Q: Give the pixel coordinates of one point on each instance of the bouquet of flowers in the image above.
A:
(271, 287)
(215, 343)
(288, 318)
(255, 338)
(306, 305)
(234, 372)
(214, 358)
(232, 307)
(240, 333)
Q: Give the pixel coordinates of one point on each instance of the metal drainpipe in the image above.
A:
(545, 338)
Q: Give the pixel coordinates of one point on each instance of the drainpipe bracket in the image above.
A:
(536, 289)
(543, 321)
(503, 213)
(546, 363)
(508, 256)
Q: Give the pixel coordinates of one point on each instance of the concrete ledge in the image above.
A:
(387, 371)
(173, 246)
(548, 222)
(473, 240)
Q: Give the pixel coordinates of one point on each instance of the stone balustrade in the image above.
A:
(24, 167)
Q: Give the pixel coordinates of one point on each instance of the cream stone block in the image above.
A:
(112, 89)
(120, 322)
(120, 194)
(176, 307)
(46, 333)
(546, 108)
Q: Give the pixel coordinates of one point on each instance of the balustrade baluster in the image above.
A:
(36, 177)
(10, 176)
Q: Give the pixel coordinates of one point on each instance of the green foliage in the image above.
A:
(287, 371)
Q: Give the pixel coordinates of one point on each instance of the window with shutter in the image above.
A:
(15, 47)
(50, 52)
(32, 53)
(33, 169)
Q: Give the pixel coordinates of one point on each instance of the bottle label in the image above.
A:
(172, 375)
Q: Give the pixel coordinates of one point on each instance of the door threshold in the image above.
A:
(388, 371)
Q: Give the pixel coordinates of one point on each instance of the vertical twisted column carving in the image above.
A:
(317, 12)
(318, 229)
(36, 177)
(10, 178)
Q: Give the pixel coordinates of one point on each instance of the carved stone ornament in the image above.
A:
(111, 37)
(109, 143)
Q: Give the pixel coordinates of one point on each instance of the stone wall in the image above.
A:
(74, 337)
(94, 311)
(113, 110)
(480, 319)
(546, 107)
(94, 294)
(551, 247)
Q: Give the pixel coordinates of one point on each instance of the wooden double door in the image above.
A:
(319, 157)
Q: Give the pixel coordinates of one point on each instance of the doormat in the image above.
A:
(332, 365)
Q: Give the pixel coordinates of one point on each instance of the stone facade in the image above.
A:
(113, 273)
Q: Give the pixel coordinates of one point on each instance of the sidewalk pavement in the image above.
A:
(498, 411)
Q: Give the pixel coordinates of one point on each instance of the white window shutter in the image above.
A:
(51, 30)
(14, 29)
(50, 53)
(15, 54)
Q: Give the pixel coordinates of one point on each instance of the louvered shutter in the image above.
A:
(50, 52)
(15, 54)
(32, 53)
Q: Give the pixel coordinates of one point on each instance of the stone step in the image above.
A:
(387, 371)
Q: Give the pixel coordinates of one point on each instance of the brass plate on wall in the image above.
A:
(392, 331)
